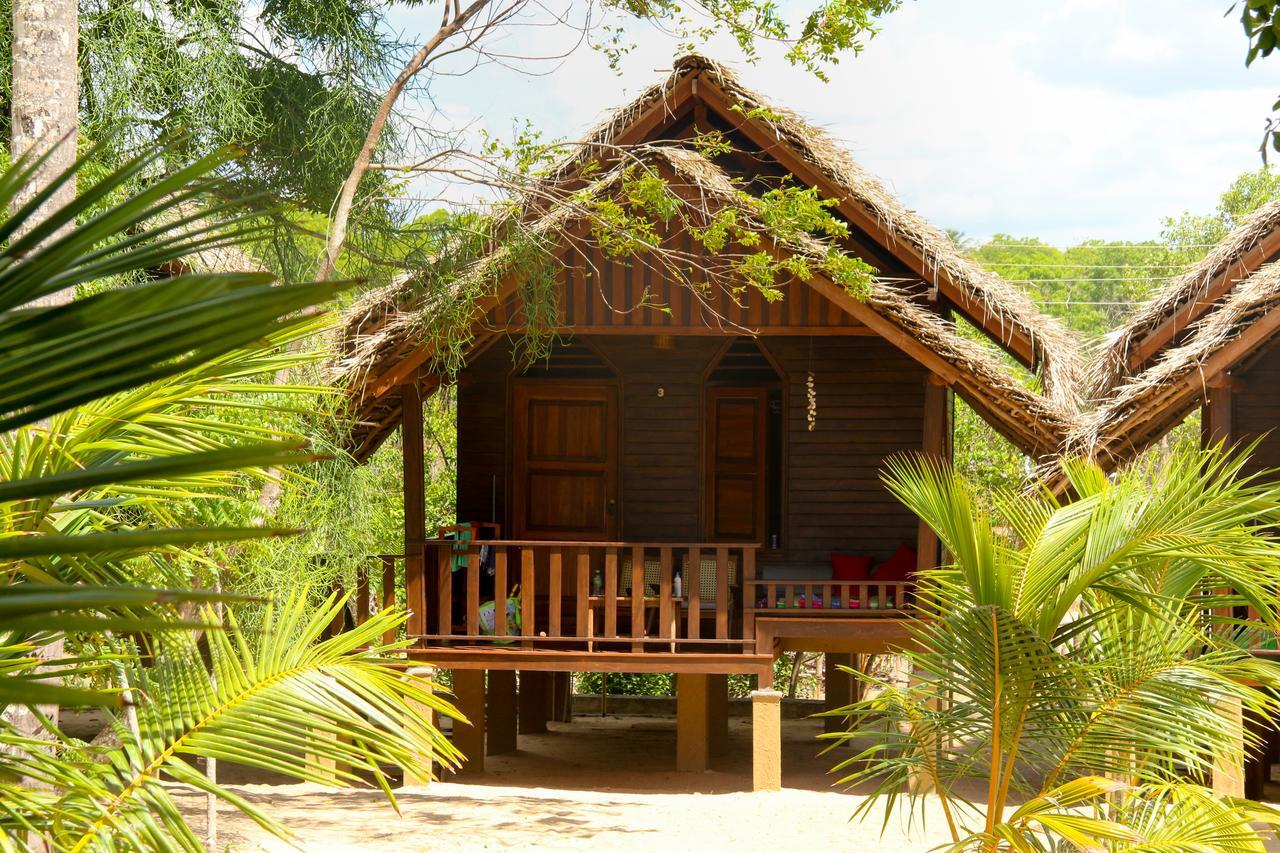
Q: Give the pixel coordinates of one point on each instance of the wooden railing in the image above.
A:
(593, 595)
(375, 589)
(843, 598)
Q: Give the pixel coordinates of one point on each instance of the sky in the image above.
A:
(1063, 120)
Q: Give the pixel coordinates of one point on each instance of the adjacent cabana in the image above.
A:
(687, 479)
(1204, 341)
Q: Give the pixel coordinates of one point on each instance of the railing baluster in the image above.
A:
(528, 614)
(863, 604)
(883, 593)
(808, 596)
(843, 591)
(637, 595)
(693, 593)
(666, 627)
(610, 591)
(771, 595)
(500, 591)
(584, 593)
(473, 592)
(555, 580)
(749, 594)
(826, 596)
(722, 593)
(339, 619)
(791, 596)
(389, 594)
(362, 594)
(444, 588)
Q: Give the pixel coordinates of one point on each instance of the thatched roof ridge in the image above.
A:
(1111, 366)
(1146, 406)
(1003, 305)
(381, 327)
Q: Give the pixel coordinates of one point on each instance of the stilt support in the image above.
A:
(718, 713)
(535, 701)
(692, 708)
(839, 689)
(468, 691)
(501, 710)
(414, 779)
(1228, 768)
(766, 740)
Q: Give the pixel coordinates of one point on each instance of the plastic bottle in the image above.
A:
(678, 588)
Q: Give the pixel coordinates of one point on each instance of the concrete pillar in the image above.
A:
(500, 710)
(766, 740)
(412, 779)
(838, 692)
(328, 767)
(692, 707)
(468, 692)
(1228, 768)
(535, 701)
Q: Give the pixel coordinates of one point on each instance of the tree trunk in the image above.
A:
(46, 39)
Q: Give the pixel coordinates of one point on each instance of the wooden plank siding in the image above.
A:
(870, 400)
(602, 296)
(1256, 407)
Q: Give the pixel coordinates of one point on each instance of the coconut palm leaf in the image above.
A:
(287, 701)
(1070, 642)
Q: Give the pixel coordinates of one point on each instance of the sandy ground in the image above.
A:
(600, 784)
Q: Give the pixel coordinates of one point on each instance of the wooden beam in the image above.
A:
(936, 444)
(546, 661)
(415, 513)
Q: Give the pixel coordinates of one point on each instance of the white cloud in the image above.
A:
(1082, 118)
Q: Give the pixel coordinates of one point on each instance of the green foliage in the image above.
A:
(123, 447)
(282, 700)
(1081, 641)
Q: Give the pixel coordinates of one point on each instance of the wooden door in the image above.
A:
(565, 461)
(735, 464)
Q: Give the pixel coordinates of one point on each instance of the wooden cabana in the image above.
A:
(1206, 341)
(671, 484)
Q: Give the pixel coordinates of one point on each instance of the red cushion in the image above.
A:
(849, 567)
(900, 567)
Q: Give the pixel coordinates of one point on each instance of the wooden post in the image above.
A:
(468, 693)
(1216, 420)
(535, 701)
(766, 740)
(562, 697)
(839, 688)
(415, 507)
(718, 713)
(1228, 767)
(411, 779)
(936, 443)
(692, 707)
(501, 711)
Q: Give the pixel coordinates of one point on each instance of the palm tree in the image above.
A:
(120, 447)
(1081, 660)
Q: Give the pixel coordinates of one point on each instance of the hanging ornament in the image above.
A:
(811, 394)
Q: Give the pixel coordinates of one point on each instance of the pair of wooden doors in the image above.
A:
(565, 462)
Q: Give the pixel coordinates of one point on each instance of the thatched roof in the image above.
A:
(1142, 409)
(387, 324)
(1238, 255)
(995, 304)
